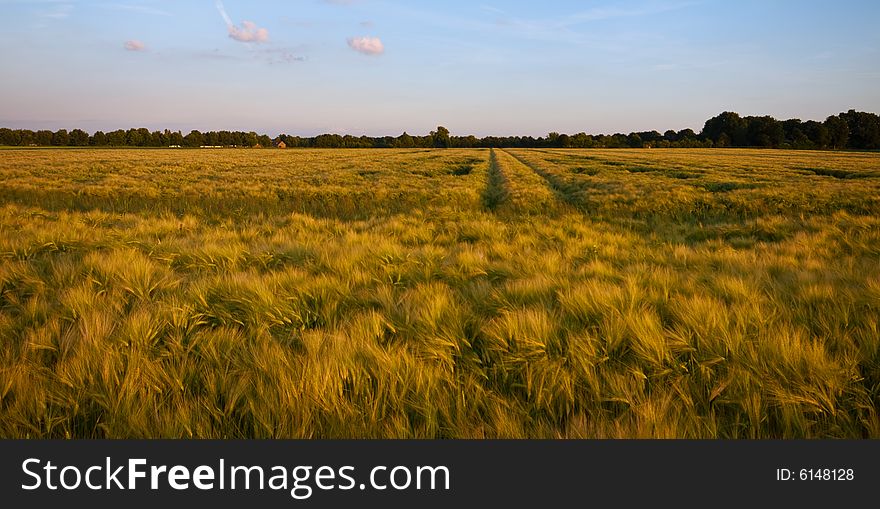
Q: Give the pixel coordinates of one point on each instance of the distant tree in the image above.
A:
(195, 139)
(634, 140)
(158, 139)
(467, 141)
(61, 138)
(99, 139)
(349, 141)
(440, 137)
(650, 136)
(405, 141)
(116, 138)
(9, 137)
(838, 132)
(564, 141)
(224, 138)
(764, 131)
(617, 140)
(852, 129)
(328, 141)
(140, 137)
(79, 138)
(793, 129)
(798, 140)
(687, 134)
(42, 138)
(250, 140)
(176, 139)
(582, 140)
(28, 137)
(729, 124)
(864, 129)
(817, 133)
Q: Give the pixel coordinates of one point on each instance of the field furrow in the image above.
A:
(522, 191)
(564, 190)
(497, 187)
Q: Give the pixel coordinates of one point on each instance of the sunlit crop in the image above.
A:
(439, 293)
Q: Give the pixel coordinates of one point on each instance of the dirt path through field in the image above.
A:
(555, 184)
(497, 190)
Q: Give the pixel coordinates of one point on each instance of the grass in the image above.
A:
(439, 294)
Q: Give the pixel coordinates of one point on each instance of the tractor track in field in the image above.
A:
(561, 189)
(497, 187)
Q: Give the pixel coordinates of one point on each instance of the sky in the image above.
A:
(484, 67)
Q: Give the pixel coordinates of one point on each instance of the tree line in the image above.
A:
(850, 130)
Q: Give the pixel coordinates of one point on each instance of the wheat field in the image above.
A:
(439, 293)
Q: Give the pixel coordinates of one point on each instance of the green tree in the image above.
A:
(440, 137)
(43, 138)
(79, 138)
(28, 137)
(634, 140)
(729, 124)
(176, 139)
(61, 138)
(817, 133)
(9, 137)
(764, 131)
(405, 141)
(250, 139)
(99, 139)
(838, 132)
(864, 129)
(116, 138)
(194, 139)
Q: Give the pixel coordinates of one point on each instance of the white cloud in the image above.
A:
(142, 9)
(367, 45)
(247, 32)
(134, 45)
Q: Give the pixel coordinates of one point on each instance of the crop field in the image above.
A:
(439, 293)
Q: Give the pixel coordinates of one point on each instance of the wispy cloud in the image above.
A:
(138, 8)
(134, 45)
(58, 10)
(565, 29)
(367, 45)
(214, 54)
(281, 56)
(611, 12)
(271, 56)
(247, 32)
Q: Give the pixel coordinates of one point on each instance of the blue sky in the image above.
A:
(381, 67)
